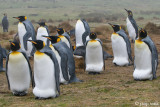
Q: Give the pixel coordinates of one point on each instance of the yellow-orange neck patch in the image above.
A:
(39, 53)
(61, 36)
(138, 41)
(114, 33)
(93, 40)
(15, 52)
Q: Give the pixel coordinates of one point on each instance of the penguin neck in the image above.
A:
(93, 40)
(15, 52)
(39, 53)
(114, 33)
(50, 45)
(61, 36)
(139, 40)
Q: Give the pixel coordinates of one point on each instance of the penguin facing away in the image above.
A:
(26, 32)
(64, 37)
(121, 46)
(5, 23)
(94, 57)
(62, 47)
(43, 30)
(131, 26)
(18, 71)
(146, 57)
(62, 59)
(46, 72)
(82, 31)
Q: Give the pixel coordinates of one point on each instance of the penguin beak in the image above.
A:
(111, 24)
(126, 9)
(32, 41)
(12, 43)
(46, 37)
(57, 30)
(16, 18)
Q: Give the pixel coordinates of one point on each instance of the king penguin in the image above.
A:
(62, 59)
(26, 32)
(64, 37)
(1, 59)
(146, 57)
(94, 57)
(131, 26)
(62, 47)
(18, 71)
(5, 23)
(43, 31)
(121, 46)
(46, 72)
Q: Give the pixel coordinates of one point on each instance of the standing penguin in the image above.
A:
(5, 23)
(82, 30)
(64, 37)
(18, 71)
(61, 57)
(94, 57)
(62, 47)
(131, 26)
(46, 72)
(146, 57)
(43, 30)
(26, 32)
(1, 59)
(121, 46)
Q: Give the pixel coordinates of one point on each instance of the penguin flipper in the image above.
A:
(154, 53)
(4, 52)
(1, 59)
(80, 51)
(7, 58)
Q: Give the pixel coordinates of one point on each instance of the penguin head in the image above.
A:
(5, 14)
(142, 33)
(53, 39)
(14, 46)
(129, 12)
(42, 23)
(116, 28)
(21, 18)
(39, 44)
(93, 36)
(60, 31)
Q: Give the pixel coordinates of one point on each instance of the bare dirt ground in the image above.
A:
(113, 87)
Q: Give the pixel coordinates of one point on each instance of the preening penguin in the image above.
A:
(131, 26)
(5, 23)
(64, 37)
(94, 57)
(146, 57)
(26, 32)
(82, 30)
(43, 30)
(18, 71)
(46, 72)
(121, 46)
(62, 47)
(61, 57)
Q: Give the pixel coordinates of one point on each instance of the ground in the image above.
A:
(113, 87)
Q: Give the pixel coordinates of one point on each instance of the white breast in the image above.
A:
(142, 62)
(18, 72)
(21, 32)
(119, 50)
(79, 30)
(131, 30)
(44, 75)
(42, 31)
(94, 57)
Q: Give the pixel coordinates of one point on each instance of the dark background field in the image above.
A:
(115, 86)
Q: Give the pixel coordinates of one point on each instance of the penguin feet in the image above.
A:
(93, 73)
(42, 98)
(115, 64)
(19, 93)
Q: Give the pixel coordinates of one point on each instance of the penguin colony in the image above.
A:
(54, 57)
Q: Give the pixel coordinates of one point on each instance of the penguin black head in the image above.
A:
(129, 12)
(116, 28)
(53, 39)
(5, 14)
(14, 46)
(142, 33)
(39, 44)
(42, 23)
(93, 36)
(21, 18)
(60, 31)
